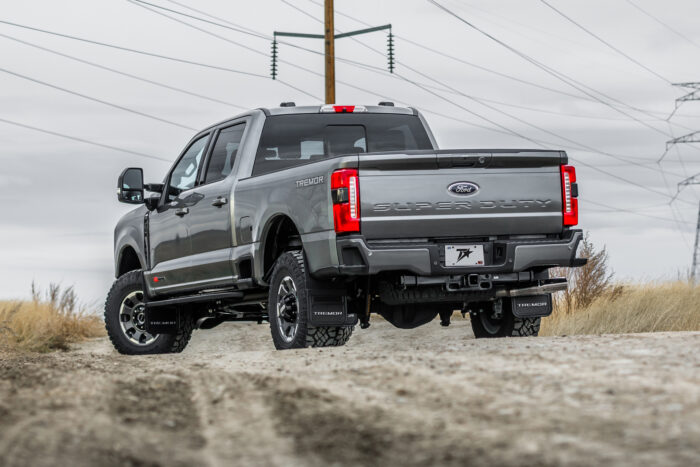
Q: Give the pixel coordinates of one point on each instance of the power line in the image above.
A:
(558, 75)
(683, 36)
(139, 3)
(94, 99)
(150, 54)
(82, 140)
(589, 32)
(123, 73)
(626, 180)
(127, 49)
(630, 211)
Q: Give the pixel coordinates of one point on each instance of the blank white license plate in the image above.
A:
(464, 255)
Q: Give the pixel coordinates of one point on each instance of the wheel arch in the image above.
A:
(280, 234)
(128, 261)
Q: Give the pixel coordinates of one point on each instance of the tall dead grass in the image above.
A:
(632, 308)
(594, 304)
(50, 321)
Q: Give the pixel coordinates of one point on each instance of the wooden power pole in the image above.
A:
(330, 52)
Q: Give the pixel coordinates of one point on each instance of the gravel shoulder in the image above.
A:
(430, 396)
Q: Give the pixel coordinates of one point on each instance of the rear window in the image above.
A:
(291, 140)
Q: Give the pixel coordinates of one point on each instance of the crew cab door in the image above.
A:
(209, 219)
(169, 244)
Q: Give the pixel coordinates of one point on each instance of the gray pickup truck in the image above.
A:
(312, 218)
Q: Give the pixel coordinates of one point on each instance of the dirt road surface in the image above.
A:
(431, 396)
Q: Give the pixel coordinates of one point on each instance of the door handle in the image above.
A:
(220, 201)
(182, 212)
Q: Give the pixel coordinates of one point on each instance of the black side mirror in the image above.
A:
(130, 186)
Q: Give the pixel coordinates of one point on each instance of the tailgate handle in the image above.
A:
(463, 160)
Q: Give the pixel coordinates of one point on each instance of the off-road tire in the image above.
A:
(292, 264)
(508, 326)
(164, 343)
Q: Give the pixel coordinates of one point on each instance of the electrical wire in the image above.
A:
(127, 49)
(558, 75)
(620, 52)
(682, 36)
(82, 140)
(123, 73)
(140, 4)
(94, 99)
(630, 211)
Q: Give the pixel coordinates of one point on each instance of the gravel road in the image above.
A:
(431, 396)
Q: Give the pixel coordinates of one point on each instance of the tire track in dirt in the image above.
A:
(391, 398)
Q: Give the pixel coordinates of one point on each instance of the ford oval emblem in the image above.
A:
(463, 188)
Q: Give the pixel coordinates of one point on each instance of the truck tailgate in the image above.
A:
(459, 193)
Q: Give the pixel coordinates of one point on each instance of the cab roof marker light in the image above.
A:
(332, 108)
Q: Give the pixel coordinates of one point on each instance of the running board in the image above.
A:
(537, 290)
(199, 298)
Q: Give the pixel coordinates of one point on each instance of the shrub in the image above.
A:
(50, 321)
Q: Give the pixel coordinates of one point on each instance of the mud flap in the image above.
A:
(533, 306)
(327, 303)
(162, 320)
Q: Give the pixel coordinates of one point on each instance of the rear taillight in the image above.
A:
(345, 192)
(569, 192)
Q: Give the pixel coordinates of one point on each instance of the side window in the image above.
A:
(224, 153)
(184, 175)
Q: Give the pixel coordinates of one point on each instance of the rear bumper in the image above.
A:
(356, 256)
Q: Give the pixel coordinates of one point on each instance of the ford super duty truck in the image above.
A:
(312, 218)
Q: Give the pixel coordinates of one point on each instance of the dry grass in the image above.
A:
(50, 321)
(595, 305)
(631, 308)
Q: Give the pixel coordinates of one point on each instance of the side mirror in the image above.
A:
(130, 186)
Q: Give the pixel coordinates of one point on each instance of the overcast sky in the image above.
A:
(58, 196)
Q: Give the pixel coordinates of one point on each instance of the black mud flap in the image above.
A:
(162, 320)
(327, 310)
(534, 306)
(327, 303)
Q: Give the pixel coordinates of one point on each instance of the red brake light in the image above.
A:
(344, 108)
(345, 192)
(569, 192)
(331, 108)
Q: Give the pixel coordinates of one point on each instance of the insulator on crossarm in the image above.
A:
(390, 52)
(273, 68)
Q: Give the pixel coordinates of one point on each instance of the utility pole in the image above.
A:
(329, 36)
(330, 52)
(694, 180)
(694, 137)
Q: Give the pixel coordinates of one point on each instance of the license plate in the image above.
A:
(464, 255)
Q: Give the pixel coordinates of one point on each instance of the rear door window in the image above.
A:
(223, 155)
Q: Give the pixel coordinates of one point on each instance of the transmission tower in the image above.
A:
(694, 137)
(329, 38)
